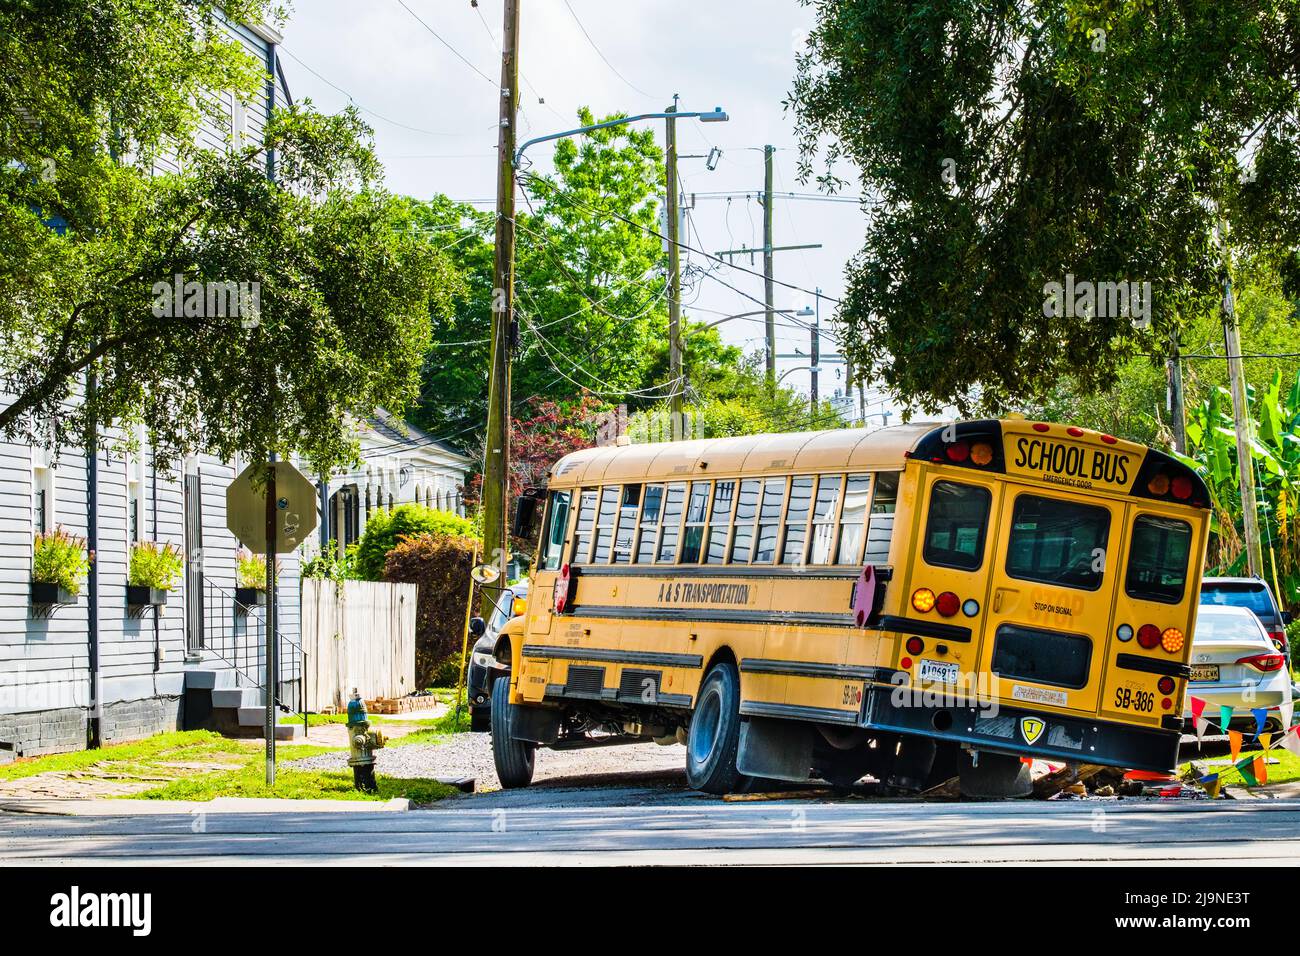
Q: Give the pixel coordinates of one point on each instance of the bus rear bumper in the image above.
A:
(1025, 733)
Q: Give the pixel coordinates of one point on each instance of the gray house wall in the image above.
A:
(144, 664)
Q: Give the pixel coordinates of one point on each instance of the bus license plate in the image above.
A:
(938, 672)
(1206, 672)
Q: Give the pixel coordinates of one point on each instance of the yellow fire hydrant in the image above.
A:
(362, 744)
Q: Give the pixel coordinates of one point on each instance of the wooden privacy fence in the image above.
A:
(357, 634)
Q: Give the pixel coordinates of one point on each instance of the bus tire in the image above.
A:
(514, 759)
(995, 777)
(714, 736)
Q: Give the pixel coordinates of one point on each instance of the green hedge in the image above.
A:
(440, 566)
(384, 529)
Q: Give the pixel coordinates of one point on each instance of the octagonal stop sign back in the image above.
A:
(295, 508)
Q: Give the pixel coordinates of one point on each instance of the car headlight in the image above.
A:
(483, 660)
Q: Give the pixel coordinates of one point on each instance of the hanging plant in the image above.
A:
(60, 563)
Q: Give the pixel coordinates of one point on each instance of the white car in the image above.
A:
(1235, 664)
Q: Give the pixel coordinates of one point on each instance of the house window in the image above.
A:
(43, 501)
(41, 512)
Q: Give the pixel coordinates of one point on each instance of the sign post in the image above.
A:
(271, 517)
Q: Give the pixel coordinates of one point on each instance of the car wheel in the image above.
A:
(715, 733)
(514, 759)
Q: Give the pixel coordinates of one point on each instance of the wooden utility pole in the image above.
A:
(496, 477)
(767, 266)
(674, 274)
(1241, 424)
(1177, 411)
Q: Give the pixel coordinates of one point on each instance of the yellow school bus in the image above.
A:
(912, 603)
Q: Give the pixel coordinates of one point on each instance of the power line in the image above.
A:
(611, 66)
(439, 38)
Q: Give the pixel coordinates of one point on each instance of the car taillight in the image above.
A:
(947, 604)
(923, 599)
(1172, 640)
(1263, 662)
(1148, 636)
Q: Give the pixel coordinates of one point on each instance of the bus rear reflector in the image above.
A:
(923, 599)
(1149, 636)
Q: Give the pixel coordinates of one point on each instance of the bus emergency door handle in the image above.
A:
(997, 598)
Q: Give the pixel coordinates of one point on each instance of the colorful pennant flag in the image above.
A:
(1212, 784)
(1286, 712)
(1261, 717)
(1202, 725)
(1264, 741)
(1234, 741)
(1225, 717)
(1253, 770)
(1198, 707)
(1291, 740)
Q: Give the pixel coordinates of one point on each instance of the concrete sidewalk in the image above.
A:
(119, 808)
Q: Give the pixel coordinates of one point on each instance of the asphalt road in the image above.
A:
(686, 829)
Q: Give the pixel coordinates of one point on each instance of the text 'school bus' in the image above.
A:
(913, 603)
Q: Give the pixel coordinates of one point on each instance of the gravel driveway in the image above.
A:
(470, 755)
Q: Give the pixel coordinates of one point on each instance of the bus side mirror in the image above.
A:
(527, 506)
(1287, 618)
(477, 626)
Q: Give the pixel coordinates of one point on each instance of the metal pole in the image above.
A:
(1177, 411)
(464, 640)
(674, 273)
(1241, 423)
(767, 265)
(496, 479)
(816, 345)
(270, 623)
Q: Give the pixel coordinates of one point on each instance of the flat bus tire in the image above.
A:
(514, 759)
(714, 736)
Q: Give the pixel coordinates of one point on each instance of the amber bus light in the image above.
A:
(923, 599)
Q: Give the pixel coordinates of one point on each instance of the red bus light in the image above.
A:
(1165, 685)
(947, 604)
(1149, 636)
(1041, 426)
(1074, 431)
(958, 451)
(1181, 487)
(915, 645)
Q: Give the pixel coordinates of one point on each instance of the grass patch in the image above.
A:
(437, 730)
(249, 781)
(321, 720)
(185, 745)
(1286, 770)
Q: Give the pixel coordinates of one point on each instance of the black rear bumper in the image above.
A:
(1002, 729)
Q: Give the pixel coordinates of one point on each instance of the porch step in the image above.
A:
(255, 717)
(210, 678)
(236, 697)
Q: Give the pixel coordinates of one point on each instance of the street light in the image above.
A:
(716, 115)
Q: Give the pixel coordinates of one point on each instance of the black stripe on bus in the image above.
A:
(611, 694)
(910, 625)
(612, 656)
(720, 616)
(759, 708)
(756, 665)
(1150, 665)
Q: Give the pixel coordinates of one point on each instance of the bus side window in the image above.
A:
(586, 520)
(880, 528)
(672, 522)
(769, 520)
(823, 519)
(856, 494)
(742, 541)
(697, 510)
(626, 530)
(956, 525)
(556, 525)
(654, 500)
(605, 523)
(796, 520)
(720, 522)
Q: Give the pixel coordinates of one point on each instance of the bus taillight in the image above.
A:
(958, 451)
(1148, 636)
(923, 599)
(915, 645)
(1172, 640)
(1165, 685)
(947, 604)
(1181, 487)
(981, 453)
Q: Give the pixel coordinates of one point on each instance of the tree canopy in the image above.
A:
(1007, 146)
(338, 286)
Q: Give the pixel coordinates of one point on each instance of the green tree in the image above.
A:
(1005, 146)
(91, 242)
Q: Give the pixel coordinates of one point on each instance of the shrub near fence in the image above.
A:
(440, 566)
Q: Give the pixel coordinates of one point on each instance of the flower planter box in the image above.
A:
(140, 596)
(46, 593)
(247, 598)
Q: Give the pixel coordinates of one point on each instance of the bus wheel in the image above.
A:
(514, 759)
(995, 777)
(715, 733)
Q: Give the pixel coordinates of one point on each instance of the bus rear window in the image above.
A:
(955, 527)
(1157, 559)
(1058, 542)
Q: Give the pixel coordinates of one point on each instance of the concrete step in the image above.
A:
(234, 697)
(255, 717)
